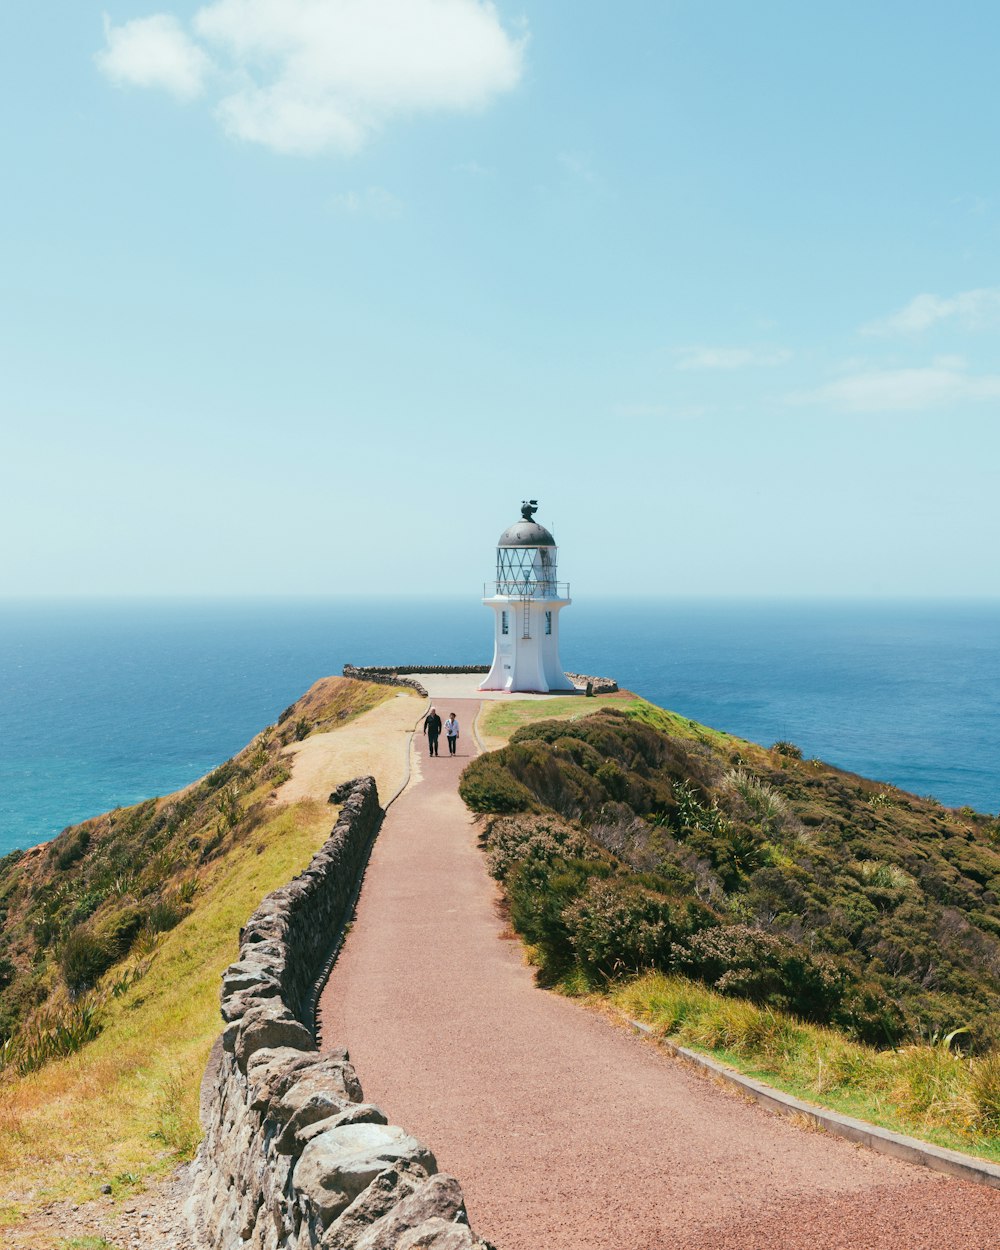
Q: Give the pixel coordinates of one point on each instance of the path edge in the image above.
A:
(872, 1136)
(319, 985)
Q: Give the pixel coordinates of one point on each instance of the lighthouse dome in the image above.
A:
(526, 534)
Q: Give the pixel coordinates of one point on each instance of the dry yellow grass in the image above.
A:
(375, 744)
(128, 1102)
(125, 1107)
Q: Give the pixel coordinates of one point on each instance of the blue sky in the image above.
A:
(304, 296)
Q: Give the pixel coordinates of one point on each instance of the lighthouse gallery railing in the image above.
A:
(526, 589)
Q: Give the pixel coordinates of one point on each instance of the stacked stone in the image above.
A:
(293, 1157)
(396, 670)
(383, 677)
(599, 685)
(397, 675)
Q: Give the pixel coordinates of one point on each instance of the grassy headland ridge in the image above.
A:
(814, 922)
(114, 936)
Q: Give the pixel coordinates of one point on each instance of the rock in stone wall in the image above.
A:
(384, 677)
(601, 685)
(293, 1157)
(396, 675)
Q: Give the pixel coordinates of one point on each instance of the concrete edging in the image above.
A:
(409, 758)
(881, 1140)
(475, 727)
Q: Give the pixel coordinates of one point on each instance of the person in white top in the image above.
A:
(451, 732)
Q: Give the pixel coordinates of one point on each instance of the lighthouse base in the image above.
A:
(526, 648)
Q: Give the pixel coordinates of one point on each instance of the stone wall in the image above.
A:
(600, 685)
(293, 1157)
(398, 675)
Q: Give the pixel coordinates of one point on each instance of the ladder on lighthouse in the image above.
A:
(526, 618)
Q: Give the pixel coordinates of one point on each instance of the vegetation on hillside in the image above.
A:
(833, 935)
(633, 840)
(114, 936)
(96, 897)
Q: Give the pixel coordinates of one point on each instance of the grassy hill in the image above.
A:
(635, 843)
(112, 942)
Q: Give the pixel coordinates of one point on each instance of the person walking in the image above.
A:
(451, 732)
(432, 728)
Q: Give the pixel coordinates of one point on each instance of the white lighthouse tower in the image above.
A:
(526, 599)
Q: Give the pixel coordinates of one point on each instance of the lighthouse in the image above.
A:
(526, 600)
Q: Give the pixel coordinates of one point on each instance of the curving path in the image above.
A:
(566, 1132)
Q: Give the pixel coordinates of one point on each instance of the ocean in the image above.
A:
(103, 704)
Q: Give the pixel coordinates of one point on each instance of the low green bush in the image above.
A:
(486, 786)
(616, 927)
(85, 957)
(766, 969)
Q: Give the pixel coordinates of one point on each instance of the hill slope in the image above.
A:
(114, 936)
(645, 841)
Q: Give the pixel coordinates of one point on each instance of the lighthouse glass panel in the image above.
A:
(526, 571)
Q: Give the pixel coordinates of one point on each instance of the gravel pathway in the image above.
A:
(565, 1131)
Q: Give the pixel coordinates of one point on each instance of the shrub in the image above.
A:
(616, 928)
(511, 840)
(166, 913)
(84, 958)
(121, 929)
(867, 1015)
(786, 748)
(539, 892)
(743, 962)
(765, 805)
(486, 786)
(229, 808)
(73, 851)
(613, 779)
(51, 1033)
(694, 814)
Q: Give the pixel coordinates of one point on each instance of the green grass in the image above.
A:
(682, 727)
(927, 1091)
(499, 719)
(127, 1104)
(123, 1107)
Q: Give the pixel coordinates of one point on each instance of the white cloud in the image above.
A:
(154, 52)
(372, 202)
(971, 309)
(945, 382)
(730, 357)
(310, 76)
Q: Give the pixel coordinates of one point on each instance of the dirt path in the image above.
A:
(567, 1133)
(374, 743)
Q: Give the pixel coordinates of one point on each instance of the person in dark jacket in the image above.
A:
(432, 728)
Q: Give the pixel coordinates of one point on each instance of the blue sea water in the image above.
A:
(104, 704)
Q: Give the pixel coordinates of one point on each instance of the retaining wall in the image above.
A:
(293, 1157)
(600, 685)
(398, 675)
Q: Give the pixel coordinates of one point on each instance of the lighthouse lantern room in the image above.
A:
(526, 599)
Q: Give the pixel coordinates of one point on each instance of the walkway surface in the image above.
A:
(566, 1132)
